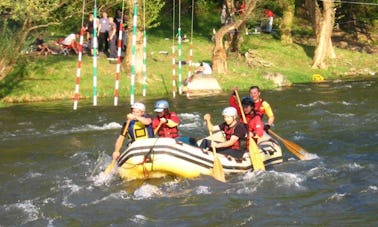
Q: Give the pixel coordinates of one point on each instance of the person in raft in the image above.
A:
(138, 126)
(235, 132)
(165, 122)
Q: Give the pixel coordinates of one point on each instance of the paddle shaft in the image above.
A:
(240, 106)
(157, 128)
(111, 166)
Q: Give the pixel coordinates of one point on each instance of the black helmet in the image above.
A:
(247, 101)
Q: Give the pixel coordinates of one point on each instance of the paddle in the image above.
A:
(254, 152)
(157, 128)
(218, 173)
(292, 147)
(111, 166)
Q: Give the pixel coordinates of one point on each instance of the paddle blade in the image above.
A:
(255, 156)
(218, 173)
(294, 148)
(110, 167)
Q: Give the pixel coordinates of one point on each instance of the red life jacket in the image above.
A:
(229, 131)
(259, 108)
(166, 131)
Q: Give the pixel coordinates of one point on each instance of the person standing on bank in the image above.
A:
(138, 126)
(103, 28)
(235, 132)
(165, 122)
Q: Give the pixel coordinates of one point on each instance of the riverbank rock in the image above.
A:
(278, 79)
(202, 85)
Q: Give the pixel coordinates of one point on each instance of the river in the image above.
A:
(52, 159)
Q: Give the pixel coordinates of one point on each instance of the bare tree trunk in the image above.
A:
(126, 65)
(325, 20)
(219, 58)
(287, 21)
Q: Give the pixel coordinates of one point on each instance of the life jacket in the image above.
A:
(166, 131)
(137, 130)
(259, 108)
(229, 131)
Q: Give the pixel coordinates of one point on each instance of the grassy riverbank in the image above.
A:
(45, 78)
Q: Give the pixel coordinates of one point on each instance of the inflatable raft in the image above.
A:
(159, 157)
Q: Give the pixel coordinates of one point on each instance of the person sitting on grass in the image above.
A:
(41, 47)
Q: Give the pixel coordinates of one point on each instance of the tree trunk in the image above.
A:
(287, 21)
(219, 58)
(325, 20)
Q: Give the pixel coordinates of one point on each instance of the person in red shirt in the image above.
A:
(269, 25)
(165, 122)
(254, 122)
(261, 107)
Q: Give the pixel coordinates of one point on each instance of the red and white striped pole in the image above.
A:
(78, 71)
(118, 67)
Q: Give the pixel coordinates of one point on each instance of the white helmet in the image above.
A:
(230, 111)
(139, 106)
(161, 105)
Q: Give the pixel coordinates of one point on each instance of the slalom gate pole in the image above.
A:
(179, 52)
(118, 66)
(174, 87)
(144, 50)
(190, 70)
(78, 71)
(144, 63)
(95, 45)
(133, 53)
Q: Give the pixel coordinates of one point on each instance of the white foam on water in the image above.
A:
(310, 156)
(147, 191)
(254, 181)
(202, 190)
(370, 188)
(343, 114)
(103, 178)
(139, 219)
(314, 104)
(30, 212)
(354, 166)
(321, 172)
(337, 196)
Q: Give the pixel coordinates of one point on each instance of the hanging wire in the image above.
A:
(356, 3)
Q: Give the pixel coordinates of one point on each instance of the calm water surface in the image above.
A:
(52, 160)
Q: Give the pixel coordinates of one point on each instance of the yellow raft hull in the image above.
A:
(159, 157)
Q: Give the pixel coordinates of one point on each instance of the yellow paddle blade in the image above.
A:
(255, 156)
(218, 173)
(110, 167)
(294, 148)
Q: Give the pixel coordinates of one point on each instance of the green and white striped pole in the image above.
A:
(95, 44)
(133, 53)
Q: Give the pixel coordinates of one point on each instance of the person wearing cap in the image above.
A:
(165, 122)
(139, 127)
(235, 133)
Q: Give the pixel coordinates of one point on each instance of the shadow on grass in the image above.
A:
(25, 65)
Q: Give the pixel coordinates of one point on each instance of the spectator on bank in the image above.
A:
(41, 46)
(269, 25)
(103, 28)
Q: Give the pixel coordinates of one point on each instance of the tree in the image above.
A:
(219, 55)
(287, 21)
(152, 12)
(323, 21)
